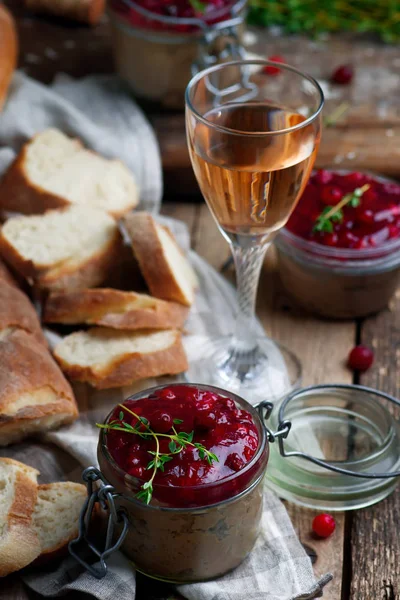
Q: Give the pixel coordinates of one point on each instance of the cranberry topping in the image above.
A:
(323, 525)
(360, 358)
(373, 222)
(217, 424)
(343, 74)
(213, 12)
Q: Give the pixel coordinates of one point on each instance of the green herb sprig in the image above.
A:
(178, 441)
(334, 214)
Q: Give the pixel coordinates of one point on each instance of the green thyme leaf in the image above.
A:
(150, 465)
(147, 485)
(121, 415)
(144, 420)
(172, 446)
(198, 5)
(177, 421)
(128, 426)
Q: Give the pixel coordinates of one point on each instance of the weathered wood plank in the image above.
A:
(375, 539)
(322, 345)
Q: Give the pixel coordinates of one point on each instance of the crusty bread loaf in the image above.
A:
(19, 543)
(166, 270)
(107, 358)
(85, 11)
(63, 249)
(115, 309)
(56, 517)
(55, 171)
(17, 312)
(8, 51)
(6, 276)
(34, 394)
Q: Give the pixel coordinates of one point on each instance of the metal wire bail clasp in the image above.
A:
(99, 491)
(264, 410)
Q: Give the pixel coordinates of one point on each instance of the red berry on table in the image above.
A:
(323, 525)
(343, 74)
(360, 358)
(270, 69)
(331, 195)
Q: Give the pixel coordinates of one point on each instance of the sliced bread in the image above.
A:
(19, 543)
(56, 517)
(165, 268)
(17, 312)
(107, 358)
(115, 309)
(55, 171)
(62, 249)
(34, 394)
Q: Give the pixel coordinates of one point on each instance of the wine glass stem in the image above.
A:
(248, 263)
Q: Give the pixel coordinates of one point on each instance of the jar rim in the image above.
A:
(262, 445)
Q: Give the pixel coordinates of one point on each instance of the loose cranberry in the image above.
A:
(205, 419)
(331, 195)
(234, 462)
(270, 69)
(348, 239)
(369, 197)
(343, 74)
(323, 177)
(360, 358)
(161, 421)
(323, 525)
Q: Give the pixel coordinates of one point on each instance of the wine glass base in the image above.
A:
(268, 371)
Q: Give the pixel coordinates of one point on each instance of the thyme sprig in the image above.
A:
(334, 214)
(178, 441)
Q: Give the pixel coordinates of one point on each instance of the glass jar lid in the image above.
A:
(337, 446)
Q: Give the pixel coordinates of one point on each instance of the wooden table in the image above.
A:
(364, 552)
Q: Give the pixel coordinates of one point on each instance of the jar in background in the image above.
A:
(155, 54)
(336, 282)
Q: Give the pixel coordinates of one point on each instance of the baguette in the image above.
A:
(19, 544)
(5, 275)
(34, 395)
(55, 171)
(107, 358)
(63, 249)
(166, 270)
(84, 11)
(55, 519)
(8, 51)
(115, 309)
(17, 312)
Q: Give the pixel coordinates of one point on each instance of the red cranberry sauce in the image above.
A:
(373, 222)
(216, 422)
(213, 13)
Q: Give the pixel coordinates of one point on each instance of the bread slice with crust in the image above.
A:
(115, 309)
(165, 268)
(108, 358)
(34, 395)
(17, 312)
(55, 171)
(55, 519)
(62, 249)
(19, 543)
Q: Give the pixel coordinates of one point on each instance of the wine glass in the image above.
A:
(252, 139)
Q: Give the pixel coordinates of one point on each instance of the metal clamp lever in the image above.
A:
(265, 409)
(105, 495)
